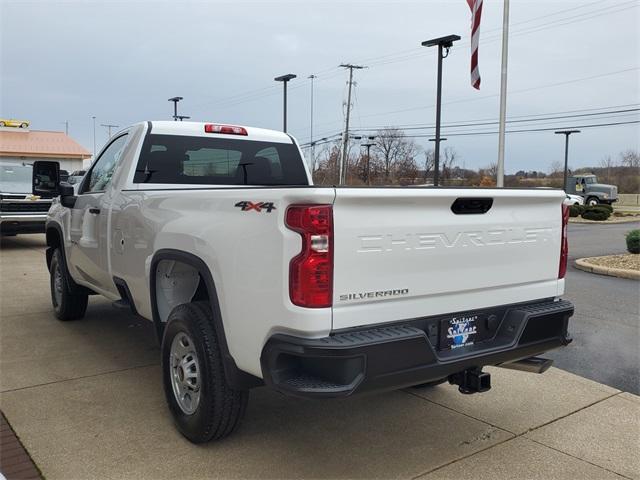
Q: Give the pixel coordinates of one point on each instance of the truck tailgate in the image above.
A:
(402, 253)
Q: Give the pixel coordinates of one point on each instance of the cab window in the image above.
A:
(100, 174)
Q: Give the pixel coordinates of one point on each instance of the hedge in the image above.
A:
(604, 206)
(575, 210)
(595, 213)
(633, 241)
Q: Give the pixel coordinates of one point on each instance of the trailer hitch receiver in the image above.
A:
(472, 380)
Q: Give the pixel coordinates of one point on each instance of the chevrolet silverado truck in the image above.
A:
(254, 276)
(20, 210)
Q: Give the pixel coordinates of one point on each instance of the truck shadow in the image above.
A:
(18, 242)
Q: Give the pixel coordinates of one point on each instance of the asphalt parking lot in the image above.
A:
(86, 400)
(606, 325)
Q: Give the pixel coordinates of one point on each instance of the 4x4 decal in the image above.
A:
(246, 206)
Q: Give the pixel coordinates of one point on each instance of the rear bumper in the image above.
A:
(22, 223)
(405, 353)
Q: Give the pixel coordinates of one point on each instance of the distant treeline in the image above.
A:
(397, 160)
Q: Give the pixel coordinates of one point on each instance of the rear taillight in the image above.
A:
(226, 129)
(311, 271)
(564, 242)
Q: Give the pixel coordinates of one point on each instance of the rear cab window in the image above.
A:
(191, 160)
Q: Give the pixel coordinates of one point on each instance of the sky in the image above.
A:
(121, 60)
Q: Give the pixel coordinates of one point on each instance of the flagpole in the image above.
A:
(503, 94)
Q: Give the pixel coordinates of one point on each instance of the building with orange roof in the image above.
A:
(20, 145)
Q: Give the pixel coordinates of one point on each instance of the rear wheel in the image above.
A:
(67, 303)
(23, 125)
(203, 404)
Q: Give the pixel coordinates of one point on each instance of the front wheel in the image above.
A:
(67, 304)
(203, 404)
(592, 201)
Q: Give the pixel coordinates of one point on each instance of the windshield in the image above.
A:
(180, 159)
(15, 178)
(590, 180)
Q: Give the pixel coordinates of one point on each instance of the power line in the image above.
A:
(544, 129)
(475, 124)
(474, 132)
(403, 55)
(539, 87)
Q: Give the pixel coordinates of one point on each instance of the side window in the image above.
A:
(100, 174)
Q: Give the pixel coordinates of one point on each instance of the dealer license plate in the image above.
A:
(461, 331)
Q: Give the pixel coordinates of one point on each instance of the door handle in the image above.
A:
(95, 211)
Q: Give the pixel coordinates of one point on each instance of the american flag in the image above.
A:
(476, 13)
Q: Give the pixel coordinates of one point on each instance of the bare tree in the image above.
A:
(327, 158)
(448, 162)
(429, 162)
(606, 163)
(490, 170)
(393, 146)
(630, 158)
(556, 169)
(406, 170)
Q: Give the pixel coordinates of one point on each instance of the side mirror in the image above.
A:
(67, 195)
(45, 179)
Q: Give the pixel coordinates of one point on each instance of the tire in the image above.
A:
(1, 124)
(67, 303)
(199, 397)
(23, 125)
(592, 201)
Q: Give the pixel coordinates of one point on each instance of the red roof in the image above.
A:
(39, 143)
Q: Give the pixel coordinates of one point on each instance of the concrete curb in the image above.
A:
(583, 264)
(605, 222)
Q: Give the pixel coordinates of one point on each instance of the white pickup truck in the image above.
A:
(254, 276)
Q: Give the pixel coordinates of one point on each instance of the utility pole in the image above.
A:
(345, 138)
(566, 134)
(443, 43)
(312, 143)
(285, 79)
(368, 146)
(109, 126)
(175, 101)
(66, 127)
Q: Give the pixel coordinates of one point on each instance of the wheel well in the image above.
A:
(196, 285)
(176, 283)
(53, 237)
(53, 241)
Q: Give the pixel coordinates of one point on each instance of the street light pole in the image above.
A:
(312, 143)
(285, 79)
(437, 143)
(443, 44)
(94, 137)
(175, 101)
(566, 134)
